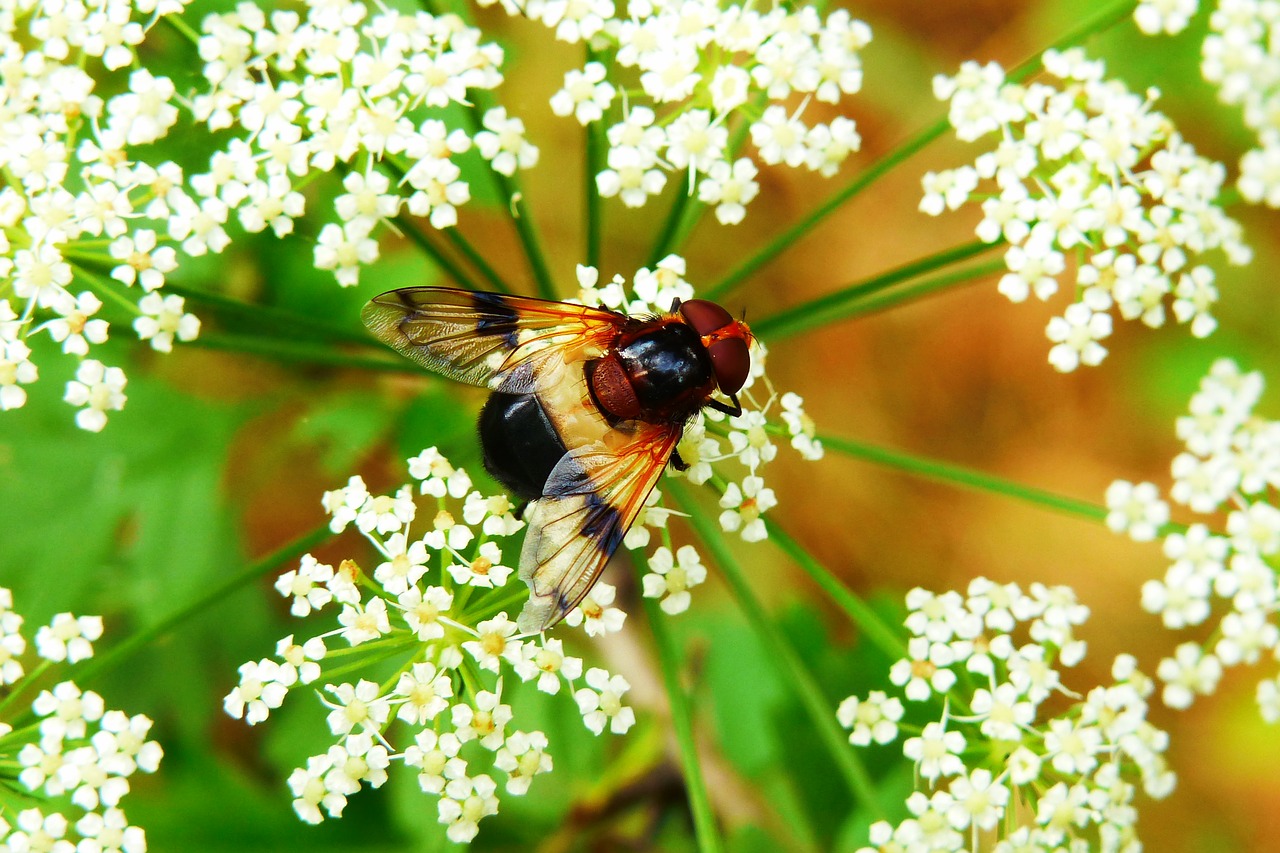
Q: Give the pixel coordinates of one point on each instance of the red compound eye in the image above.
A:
(731, 359)
(705, 317)
(726, 339)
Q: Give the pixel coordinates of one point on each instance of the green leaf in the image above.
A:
(128, 519)
(743, 693)
(443, 415)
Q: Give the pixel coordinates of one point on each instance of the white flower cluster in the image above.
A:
(348, 88)
(710, 439)
(79, 753)
(1241, 56)
(82, 221)
(1230, 468)
(1170, 17)
(692, 72)
(440, 596)
(999, 766)
(1084, 170)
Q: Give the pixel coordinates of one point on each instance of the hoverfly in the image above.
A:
(587, 407)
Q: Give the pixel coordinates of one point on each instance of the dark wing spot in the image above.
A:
(412, 311)
(603, 525)
(496, 317)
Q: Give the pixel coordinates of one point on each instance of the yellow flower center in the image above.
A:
(493, 643)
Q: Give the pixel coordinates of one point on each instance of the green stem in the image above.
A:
(300, 351)
(528, 237)
(670, 227)
(1104, 20)
(851, 299)
(686, 209)
(437, 254)
(508, 187)
(793, 234)
(956, 475)
(374, 649)
(704, 821)
(477, 259)
(182, 28)
(452, 235)
(594, 147)
(361, 664)
(692, 214)
(1100, 22)
(876, 629)
(909, 293)
(820, 708)
(109, 288)
(18, 736)
(491, 605)
(23, 687)
(123, 650)
(269, 317)
(885, 637)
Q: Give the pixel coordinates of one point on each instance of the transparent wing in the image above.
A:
(592, 497)
(487, 339)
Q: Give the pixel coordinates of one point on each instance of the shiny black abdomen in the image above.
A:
(670, 371)
(520, 445)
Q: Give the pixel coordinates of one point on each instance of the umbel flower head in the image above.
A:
(1221, 574)
(1087, 180)
(673, 81)
(432, 604)
(346, 88)
(83, 219)
(72, 763)
(1241, 56)
(998, 760)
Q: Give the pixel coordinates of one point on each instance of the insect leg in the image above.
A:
(732, 411)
